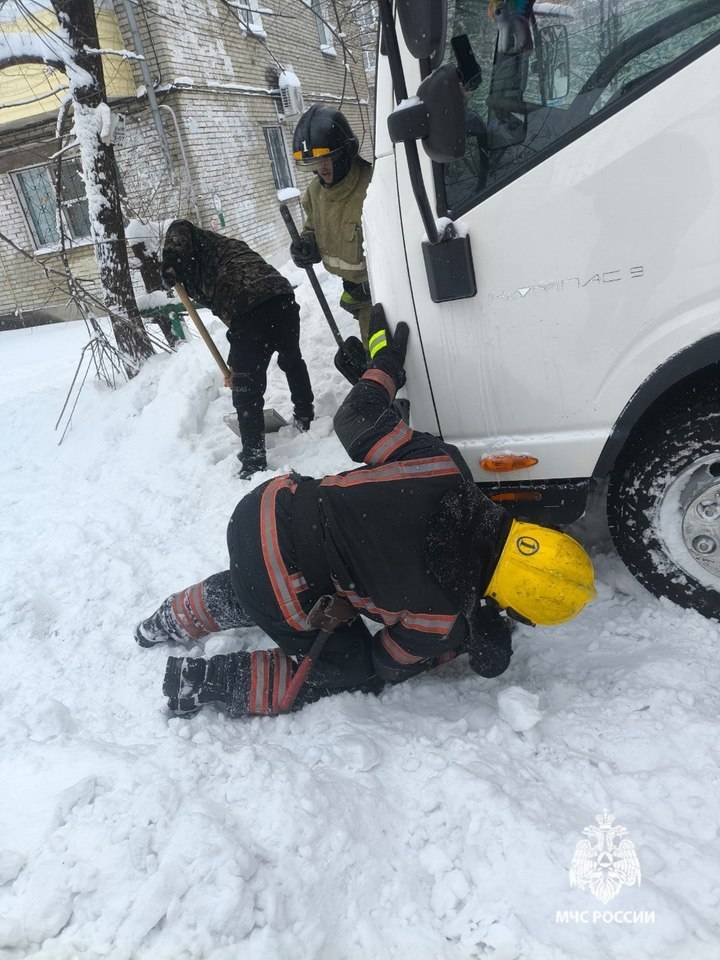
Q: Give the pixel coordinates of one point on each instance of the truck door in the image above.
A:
(589, 188)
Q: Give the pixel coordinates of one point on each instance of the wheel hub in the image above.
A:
(693, 497)
(701, 528)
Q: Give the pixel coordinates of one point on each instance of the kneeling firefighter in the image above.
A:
(324, 142)
(407, 541)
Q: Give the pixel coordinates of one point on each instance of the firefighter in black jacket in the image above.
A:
(258, 305)
(408, 540)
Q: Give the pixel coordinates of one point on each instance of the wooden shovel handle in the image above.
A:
(202, 329)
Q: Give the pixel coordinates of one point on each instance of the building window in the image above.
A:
(325, 34)
(367, 20)
(277, 151)
(36, 189)
(250, 19)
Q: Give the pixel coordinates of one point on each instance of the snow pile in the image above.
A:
(436, 821)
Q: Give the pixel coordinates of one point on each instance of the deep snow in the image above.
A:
(436, 821)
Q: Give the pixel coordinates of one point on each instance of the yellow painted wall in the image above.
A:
(31, 80)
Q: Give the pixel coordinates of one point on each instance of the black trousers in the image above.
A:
(274, 327)
(243, 596)
(346, 662)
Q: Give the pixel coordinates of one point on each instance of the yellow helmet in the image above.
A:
(542, 574)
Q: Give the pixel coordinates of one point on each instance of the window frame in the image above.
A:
(255, 22)
(250, 17)
(580, 130)
(326, 38)
(49, 171)
(276, 128)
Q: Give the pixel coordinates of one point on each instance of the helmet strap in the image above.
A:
(341, 166)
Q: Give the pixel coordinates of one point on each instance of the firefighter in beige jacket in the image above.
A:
(333, 205)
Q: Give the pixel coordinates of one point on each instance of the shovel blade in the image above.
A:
(273, 421)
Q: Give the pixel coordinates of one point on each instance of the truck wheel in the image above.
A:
(664, 505)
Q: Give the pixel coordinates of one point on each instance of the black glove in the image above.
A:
(304, 251)
(387, 350)
(489, 641)
(168, 277)
(351, 359)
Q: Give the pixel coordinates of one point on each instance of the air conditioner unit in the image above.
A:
(291, 94)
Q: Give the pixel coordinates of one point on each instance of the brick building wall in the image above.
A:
(218, 80)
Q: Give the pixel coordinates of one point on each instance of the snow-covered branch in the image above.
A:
(125, 54)
(21, 47)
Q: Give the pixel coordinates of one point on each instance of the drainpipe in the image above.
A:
(191, 188)
(152, 100)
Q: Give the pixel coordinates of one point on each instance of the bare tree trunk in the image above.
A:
(87, 86)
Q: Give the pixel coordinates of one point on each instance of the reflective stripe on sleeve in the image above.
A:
(383, 379)
(388, 444)
(443, 466)
(377, 342)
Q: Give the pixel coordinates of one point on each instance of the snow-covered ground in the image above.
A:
(436, 821)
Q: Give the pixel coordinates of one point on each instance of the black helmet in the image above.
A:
(323, 132)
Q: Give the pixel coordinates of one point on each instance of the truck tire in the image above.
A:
(664, 504)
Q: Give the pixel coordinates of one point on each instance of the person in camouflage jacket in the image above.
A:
(258, 305)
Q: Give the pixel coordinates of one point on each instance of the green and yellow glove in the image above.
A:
(387, 350)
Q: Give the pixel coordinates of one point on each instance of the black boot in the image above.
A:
(252, 462)
(191, 682)
(252, 434)
(303, 417)
(161, 627)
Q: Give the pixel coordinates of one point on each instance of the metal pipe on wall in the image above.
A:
(191, 188)
(152, 99)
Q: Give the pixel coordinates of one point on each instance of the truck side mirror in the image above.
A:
(424, 25)
(436, 116)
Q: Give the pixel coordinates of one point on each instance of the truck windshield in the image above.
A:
(536, 74)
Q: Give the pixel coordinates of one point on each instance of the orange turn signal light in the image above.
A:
(505, 462)
(516, 496)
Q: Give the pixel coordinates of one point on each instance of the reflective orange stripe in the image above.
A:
(282, 583)
(298, 582)
(442, 466)
(181, 609)
(437, 623)
(258, 682)
(281, 671)
(398, 653)
(429, 622)
(196, 596)
(388, 444)
(384, 379)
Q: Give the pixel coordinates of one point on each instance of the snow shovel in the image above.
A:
(329, 612)
(273, 420)
(350, 359)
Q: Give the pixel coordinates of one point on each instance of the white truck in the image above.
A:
(555, 247)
